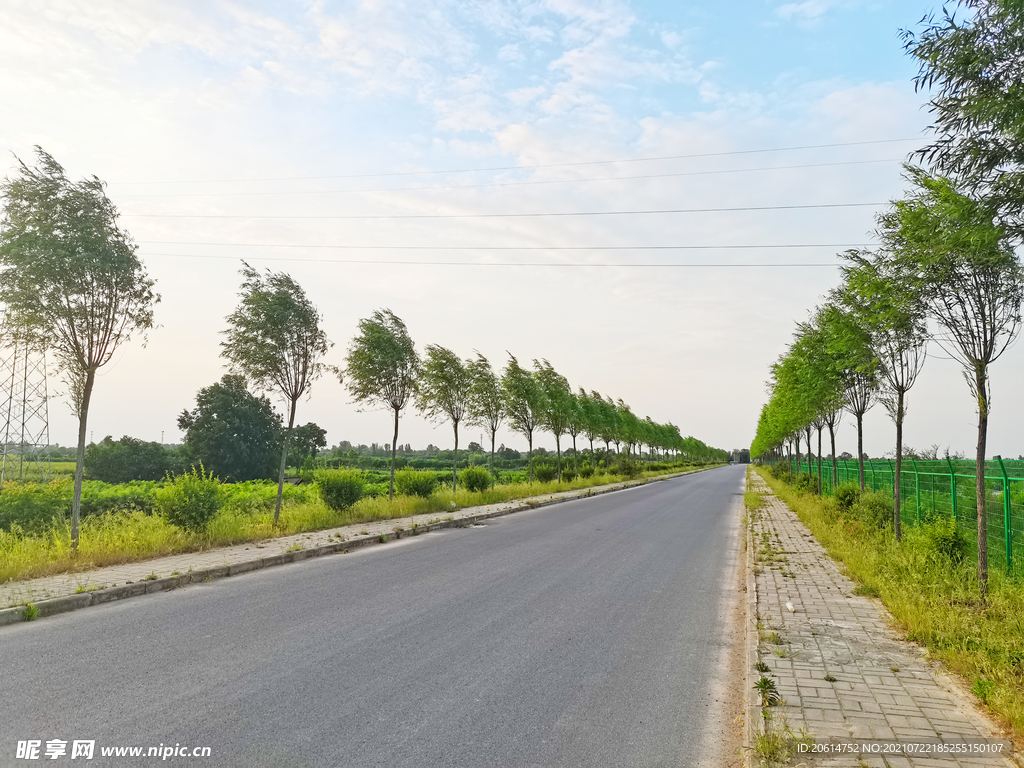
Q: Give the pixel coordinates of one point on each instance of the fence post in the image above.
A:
(917, 490)
(952, 486)
(1007, 528)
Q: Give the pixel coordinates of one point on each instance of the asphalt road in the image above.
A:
(583, 634)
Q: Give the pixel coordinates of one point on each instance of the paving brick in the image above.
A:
(834, 632)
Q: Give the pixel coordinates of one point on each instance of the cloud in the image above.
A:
(808, 10)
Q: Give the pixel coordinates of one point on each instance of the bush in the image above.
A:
(846, 495)
(127, 459)
(806, 483)
(627, 467)
(475, 479)
(544, 473)
(946, 538)
(568, 475)
(874, 510)
(586, 471)
(373, 490)
(191, 500)
(410, 482)
(782, 471)
(339, 488)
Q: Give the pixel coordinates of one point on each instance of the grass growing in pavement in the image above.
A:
(122, 537)
(933, 599)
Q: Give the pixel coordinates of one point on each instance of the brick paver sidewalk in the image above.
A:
(17, 593)
(879, 688)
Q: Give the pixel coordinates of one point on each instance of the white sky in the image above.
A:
(165, 101)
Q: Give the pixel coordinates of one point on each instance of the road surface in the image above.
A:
(588, 633)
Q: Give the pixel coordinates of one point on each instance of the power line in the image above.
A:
(506, 183)
(538, 165)
(481, 263)
(512, 247)
(509, 215)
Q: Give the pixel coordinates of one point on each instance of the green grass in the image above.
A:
(934, 600)
(129, 536)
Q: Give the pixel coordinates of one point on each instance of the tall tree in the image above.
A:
(972, 58)
(575, 426)
(850, 340)
(486, 401)
(885, 292)
(71, 281)
(444, 393)
(524, 403)
(591, 415)
(973, 284)
(556, 411)
(382, 368)
(275, 340)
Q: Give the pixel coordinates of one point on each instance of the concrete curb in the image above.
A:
(66, 603)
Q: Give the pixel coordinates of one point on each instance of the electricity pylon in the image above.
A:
(24, 411)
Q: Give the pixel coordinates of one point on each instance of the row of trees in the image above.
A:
(945, 271)
(383, 369)
(71, 282)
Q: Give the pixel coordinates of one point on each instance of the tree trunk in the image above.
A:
(284, 459)
(821, 490)
(558, 450)
(835, 466)
(575, 456)
(493, 476)
(529, 454)
(455, 461)
(860, 449)
(897, 519)
(981, 382)
(394, 447)
(796, 474)
(83, 415)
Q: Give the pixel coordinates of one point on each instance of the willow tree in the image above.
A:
(382, 369)
(973, 284)
(486, 399)
(886, 293)
(556, 405)
(71, 281)
(850, 341)
(444, 393)
(275, 340)
(971, 58)
(524, 404)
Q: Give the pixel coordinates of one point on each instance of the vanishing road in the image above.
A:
(588, 633)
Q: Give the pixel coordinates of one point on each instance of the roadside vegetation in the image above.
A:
(929, 583)
(119, 527)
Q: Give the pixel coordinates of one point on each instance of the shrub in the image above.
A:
(544, 473)
(586, 471)
(410, 482)
(191, 500)
(846, 495)
(627, 467)
(373, 490)
(339, 488)
(874, 509)
(475, 479)
(782, 471)
(568, 475)
(806, 483)
(127, 459)
(946, 538)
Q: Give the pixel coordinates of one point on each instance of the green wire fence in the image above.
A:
(946, 487)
